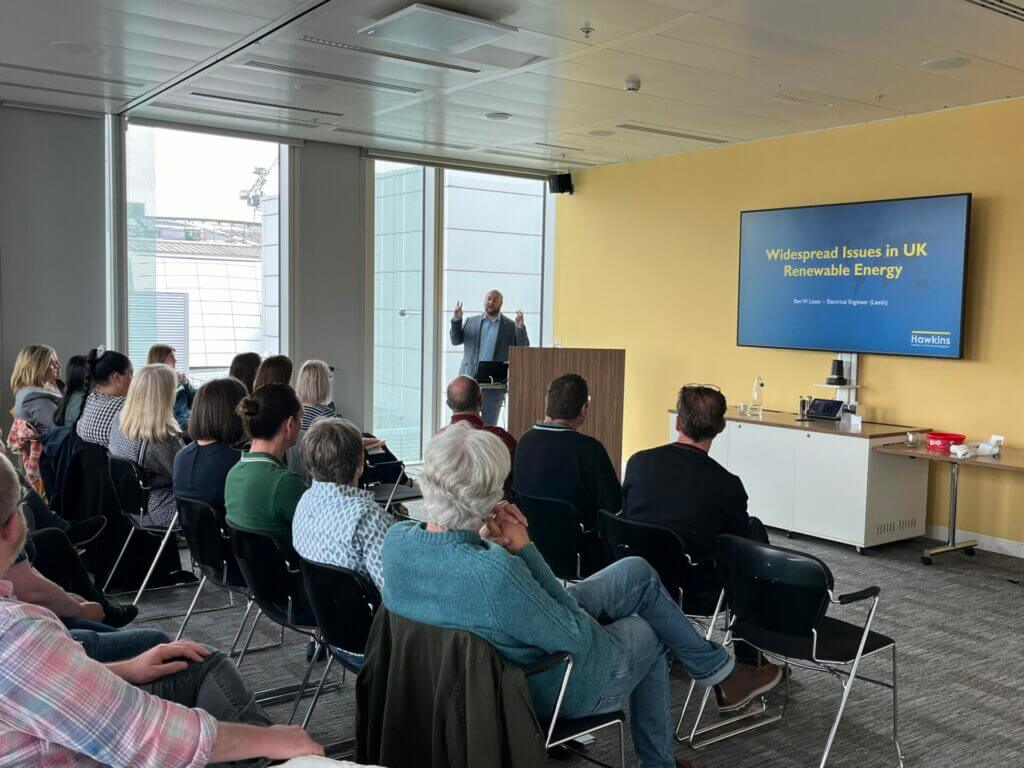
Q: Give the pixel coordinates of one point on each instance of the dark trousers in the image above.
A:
(55, 557)
(106, 644)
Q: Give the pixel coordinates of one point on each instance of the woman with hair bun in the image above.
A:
(260, 492)
(109, 375)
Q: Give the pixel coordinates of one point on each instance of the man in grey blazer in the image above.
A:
(487, 337)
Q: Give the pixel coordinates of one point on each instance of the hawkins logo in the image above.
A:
(930, 339)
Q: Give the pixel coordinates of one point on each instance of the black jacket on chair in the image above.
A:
(429, 697)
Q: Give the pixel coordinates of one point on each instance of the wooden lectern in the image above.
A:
(530, 370)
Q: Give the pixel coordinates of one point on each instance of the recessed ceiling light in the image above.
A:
(601, 133)
(79, 49)
(498, 116)
(437, 29)
(950, 62)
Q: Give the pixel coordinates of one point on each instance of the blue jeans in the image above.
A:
(106, 644)
(644, 623)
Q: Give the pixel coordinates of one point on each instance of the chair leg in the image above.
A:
(319, 690)
(305, 682)
(238, 634)
(622, 744)
(248, 639)
(191, 607)
(895, 732)
(159, 552)
(117, 562)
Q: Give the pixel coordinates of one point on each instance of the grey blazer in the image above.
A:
(468, 334)
(37, 406)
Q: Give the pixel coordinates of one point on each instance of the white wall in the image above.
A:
(52, 236)
(327, 277)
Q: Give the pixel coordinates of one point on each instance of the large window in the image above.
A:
(203, 271)
(442, 236)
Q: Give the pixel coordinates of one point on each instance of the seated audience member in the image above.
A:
(75, 390)
(243, 367)
(336, 522)
(313, 386)
(471, 566)
(36, 394)
(202, 466)
(681, 487)
(276, 369)
(185, 393)
(555, 460)
(145, 433)
(109, 374)
(466, 401)
(34, 386)
(261, 493)
(177, 705)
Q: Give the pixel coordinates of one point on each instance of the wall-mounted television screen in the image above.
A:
(884, 276)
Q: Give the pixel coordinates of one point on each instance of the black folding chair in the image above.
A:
(132, 494)
(778, 599)
(561, 731)
(344, 603)
(209, 544)
(271, 570)
(557, 530)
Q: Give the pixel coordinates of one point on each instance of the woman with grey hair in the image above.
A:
(336, 522)
(472, 566)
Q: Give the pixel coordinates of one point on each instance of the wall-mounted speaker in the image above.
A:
(560, 183)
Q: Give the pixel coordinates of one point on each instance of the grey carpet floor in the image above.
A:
(959, 627)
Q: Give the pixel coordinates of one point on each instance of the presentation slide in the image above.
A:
(885, 277)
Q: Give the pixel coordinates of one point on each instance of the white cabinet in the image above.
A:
(830, 490)
(762, 457)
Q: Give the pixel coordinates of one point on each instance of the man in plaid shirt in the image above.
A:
(59, 708)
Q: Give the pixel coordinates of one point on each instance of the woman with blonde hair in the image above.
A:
(313, 386)
(145, 432)
(185, 393)
(36, 396)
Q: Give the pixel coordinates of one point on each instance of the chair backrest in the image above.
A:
(271, 571)
(772, 590)
(344, 603)
(557, 530)
(662, 547)
(209, 542)
(130, 488)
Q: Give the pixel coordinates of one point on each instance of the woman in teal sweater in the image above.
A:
(617, 624)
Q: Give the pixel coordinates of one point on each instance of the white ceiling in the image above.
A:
(723, 70)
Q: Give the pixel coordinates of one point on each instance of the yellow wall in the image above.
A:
(647, 257)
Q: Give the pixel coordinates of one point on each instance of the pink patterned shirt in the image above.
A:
(59, 708)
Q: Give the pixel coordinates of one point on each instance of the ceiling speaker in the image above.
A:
(560, 183)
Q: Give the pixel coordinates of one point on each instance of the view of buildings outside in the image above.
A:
(493, 237)
(203, 247)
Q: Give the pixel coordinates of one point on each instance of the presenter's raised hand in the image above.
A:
(458, 311)
(519, 318)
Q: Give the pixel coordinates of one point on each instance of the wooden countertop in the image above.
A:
(1011, 459)
(868, 429)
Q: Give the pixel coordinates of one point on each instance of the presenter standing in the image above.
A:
(485, 338)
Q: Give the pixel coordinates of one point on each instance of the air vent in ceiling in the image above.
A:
(437, 29)
(802, 99)
(396, 137)
(270, 104)
(1002, 7)
(557, 146)
(387, 55)
(673, 134)
(540, 158)
(233, 115)
(44, 89)
(76, 75)
(288, 70)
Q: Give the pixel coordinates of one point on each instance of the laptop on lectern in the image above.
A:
(492, 372)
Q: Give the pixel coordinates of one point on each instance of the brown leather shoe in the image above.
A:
(681, 763)
(745, 684)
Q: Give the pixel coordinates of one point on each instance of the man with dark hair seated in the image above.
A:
(555, 460)
(681, 487)
(177, 705)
